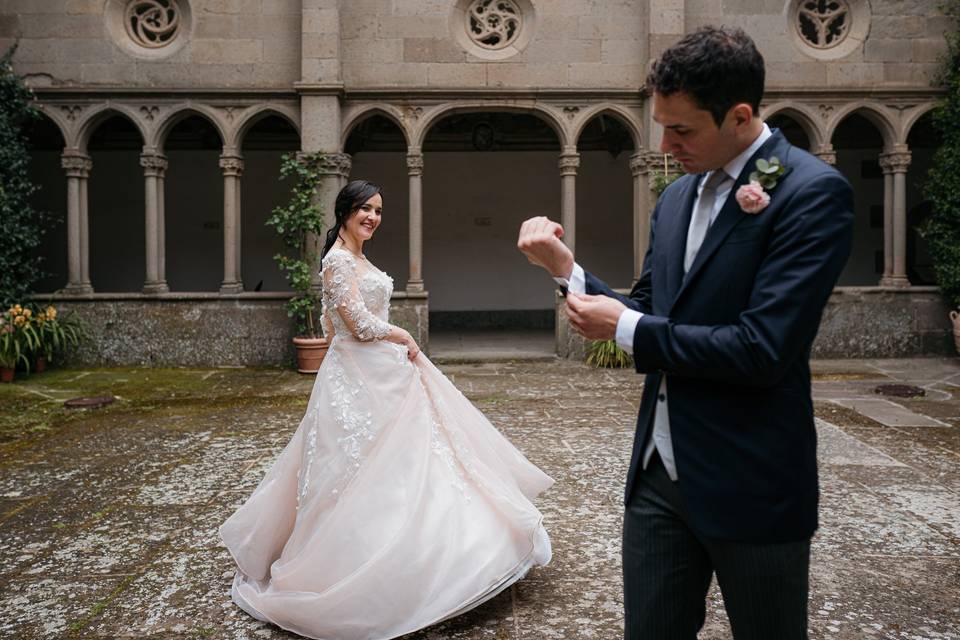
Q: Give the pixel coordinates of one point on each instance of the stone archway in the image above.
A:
(193, 225)
(605, 243)
(45, 143)
(378, 151)
(262, 146)
(485, 172)
(858, 144)
(116, 227)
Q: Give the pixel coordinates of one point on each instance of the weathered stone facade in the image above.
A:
(185, 105)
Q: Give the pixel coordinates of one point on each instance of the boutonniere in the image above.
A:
(753, 197)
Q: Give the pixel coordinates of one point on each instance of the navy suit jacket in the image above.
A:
(733, 338)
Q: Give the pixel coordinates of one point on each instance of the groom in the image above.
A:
(723, 475)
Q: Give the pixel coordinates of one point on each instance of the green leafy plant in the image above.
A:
(296, 222)
(21, 227)
(56, 333)
(943, 181)
(660, 180)
(607, 354)
(767, 173)
(18, 337)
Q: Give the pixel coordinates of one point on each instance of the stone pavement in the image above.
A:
(108, 517)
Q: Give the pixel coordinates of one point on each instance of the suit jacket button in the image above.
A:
(662, 397)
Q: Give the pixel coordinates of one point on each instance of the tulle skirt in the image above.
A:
(395, 505)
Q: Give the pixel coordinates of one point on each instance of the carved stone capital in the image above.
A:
(827, 153)
(895, 161)
(231, 165)
(662, 162)
(415, 164)
(569, 163)
(328, 164)
(638, 164)
(77, 165)
(154, 164)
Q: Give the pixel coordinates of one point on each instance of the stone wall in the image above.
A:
(184, 330)
(225, 44)
(419, 43)
(858, 322)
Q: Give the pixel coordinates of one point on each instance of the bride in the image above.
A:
(396, 504)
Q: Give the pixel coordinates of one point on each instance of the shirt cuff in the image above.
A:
(577, 282)
(626, 327)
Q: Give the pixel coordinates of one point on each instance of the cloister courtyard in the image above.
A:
(109, 516)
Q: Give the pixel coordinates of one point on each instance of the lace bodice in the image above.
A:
(356, 296)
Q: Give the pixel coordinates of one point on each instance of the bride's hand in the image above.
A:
(403, 337)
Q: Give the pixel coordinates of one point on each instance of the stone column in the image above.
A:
(827, 153)
(569, 163)
(886, 165)
(899, 161)
(332, 169)
(641, 210)
(77, 167)
(153, 166)
(415, 173)
(232, 167)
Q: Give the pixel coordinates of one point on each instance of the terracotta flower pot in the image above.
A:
(310, 353)
(40, 364)
(6, 374)
(955, 317)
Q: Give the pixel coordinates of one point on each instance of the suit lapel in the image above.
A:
(730, 215)
(677, 237)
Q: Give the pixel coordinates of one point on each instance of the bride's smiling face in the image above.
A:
(366, 219)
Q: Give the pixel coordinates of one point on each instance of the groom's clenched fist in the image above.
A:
(540, 242)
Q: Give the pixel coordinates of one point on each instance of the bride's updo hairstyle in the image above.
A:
(349, 200)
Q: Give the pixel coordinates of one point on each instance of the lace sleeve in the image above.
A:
(341, 282)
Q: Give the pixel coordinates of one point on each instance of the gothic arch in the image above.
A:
(99, 114)
(801, 116)
(440, 112)
(361, 113)
(618, 112)
(872, 112)
(181, 112)
(257, 113)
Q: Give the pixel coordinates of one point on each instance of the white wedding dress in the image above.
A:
(396, 504)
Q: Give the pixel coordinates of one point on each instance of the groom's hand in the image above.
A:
(594, 317)
(540, 240)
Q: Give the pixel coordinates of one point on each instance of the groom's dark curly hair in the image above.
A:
(716, 66)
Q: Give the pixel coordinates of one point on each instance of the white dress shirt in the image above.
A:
(627, 323)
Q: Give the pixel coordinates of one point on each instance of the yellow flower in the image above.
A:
(27, 313)
(51, 313)
(17, 308)
(19, 321)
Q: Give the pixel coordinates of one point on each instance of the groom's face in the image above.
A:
(691, 135)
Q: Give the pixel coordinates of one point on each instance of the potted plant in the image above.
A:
(943, 182)
(18, 338)
(299, 222)
(55, 335)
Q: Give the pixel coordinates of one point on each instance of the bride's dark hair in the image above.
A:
(350, 198)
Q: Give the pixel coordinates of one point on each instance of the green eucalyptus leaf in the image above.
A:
(763, 165)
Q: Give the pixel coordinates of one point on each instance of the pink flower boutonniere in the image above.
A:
(754, 197)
